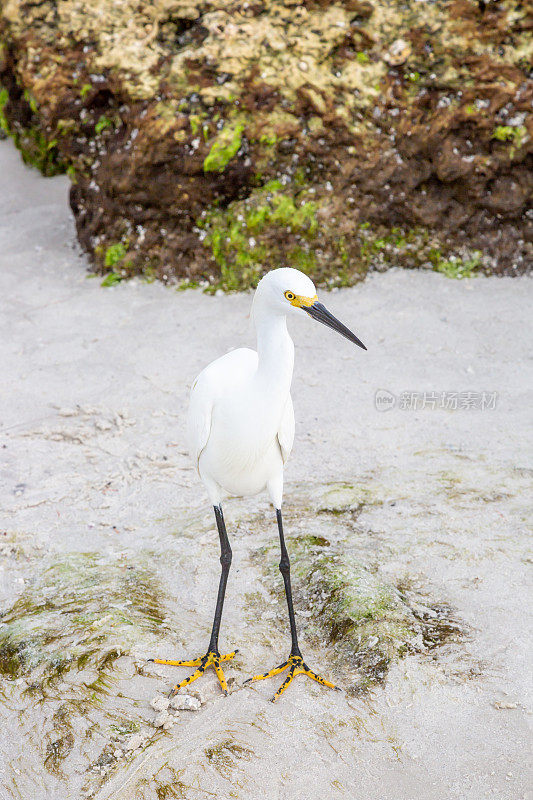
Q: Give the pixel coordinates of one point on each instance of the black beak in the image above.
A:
(320, 312)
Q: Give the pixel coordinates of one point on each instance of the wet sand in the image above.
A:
(101, 509)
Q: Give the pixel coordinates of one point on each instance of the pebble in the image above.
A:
(160, 703)
(185, 702)
(161, 719)
(134, 742)
(203, 695)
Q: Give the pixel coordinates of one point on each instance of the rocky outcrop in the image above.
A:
(208, 141)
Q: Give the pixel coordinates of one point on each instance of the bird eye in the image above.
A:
(290, 295)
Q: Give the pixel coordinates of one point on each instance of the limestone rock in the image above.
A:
(210, 144)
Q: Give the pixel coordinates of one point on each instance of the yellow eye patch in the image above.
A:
(299, 301)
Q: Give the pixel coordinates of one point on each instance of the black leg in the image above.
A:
(285, 569)
(225, 561)
(212, 658)
(295, 665)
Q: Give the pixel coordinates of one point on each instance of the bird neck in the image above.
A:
(275, 350)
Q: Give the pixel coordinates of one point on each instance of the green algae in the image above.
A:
(114, 254)
(60, 740)
(64, 645)
(198, 123)
(245, 238)
(381, 247)
(360, 614)
(80, 614)
(363, 619)
(345, 498)
(166, 784)
(516, 135)
(385, 246)
(282, 225)
(111, 279)
(268, 139)
(508, 133)
(102, 124)
(38, 151)
(37, 148)
(4, 97)
(114, 261)
(457, 267)
(224, 755)
(225, 147)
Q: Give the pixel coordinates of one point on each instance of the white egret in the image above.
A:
(241, 430)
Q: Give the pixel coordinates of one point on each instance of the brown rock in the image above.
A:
(172, 116)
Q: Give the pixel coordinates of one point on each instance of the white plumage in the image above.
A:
(241, 430)
(241, 419)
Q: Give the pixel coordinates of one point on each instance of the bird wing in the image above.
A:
(286, 430)
(218, 378)
(199, 420)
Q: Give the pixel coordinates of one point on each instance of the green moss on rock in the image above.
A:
(4, 97)
(457, 267)
(38, 148)
(114, 254)
(359, 615)
(246, 238)
(224, 148)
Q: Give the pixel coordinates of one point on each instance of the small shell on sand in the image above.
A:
(160, 703)
(203, 693)
(185, 702)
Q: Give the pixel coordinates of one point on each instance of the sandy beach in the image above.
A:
(109, 553)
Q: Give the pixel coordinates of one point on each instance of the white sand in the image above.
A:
(92, 401)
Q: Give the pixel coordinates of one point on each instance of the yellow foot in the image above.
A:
(211, 659)
(296, 666)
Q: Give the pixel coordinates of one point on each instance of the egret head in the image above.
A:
(289, 291)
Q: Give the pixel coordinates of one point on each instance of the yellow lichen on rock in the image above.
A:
(121, 34)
